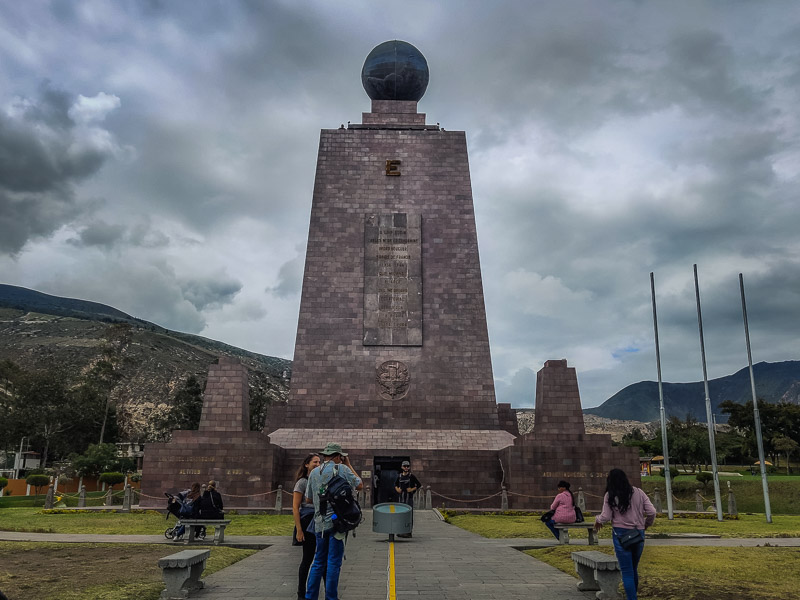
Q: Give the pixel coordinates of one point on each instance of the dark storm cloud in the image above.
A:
(99, 233)
(290, 278)
(211, 292)
(43, 155)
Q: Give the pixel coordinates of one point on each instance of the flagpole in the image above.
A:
(664, 444)
(709, 419)
(759, 440)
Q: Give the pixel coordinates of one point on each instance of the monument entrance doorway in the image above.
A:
(386, 469)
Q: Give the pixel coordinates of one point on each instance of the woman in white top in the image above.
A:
(303, 516)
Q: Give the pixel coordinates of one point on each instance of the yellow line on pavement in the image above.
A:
(392, 588)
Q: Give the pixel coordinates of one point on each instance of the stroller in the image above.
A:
(177, 506)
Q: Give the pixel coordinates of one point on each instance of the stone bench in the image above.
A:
(181, 572)
(563, 535)
(194, 525)
(598, 571)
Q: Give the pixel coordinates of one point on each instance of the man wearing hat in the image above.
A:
(405, 485)
(330, 545)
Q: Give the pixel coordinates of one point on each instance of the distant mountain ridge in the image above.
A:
(12, 296)
(775, 382)
(42, 332)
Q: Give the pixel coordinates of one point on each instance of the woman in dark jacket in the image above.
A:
(210, 504)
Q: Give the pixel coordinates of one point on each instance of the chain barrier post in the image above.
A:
(732, 510)
(504, 499)
(279, 500)
(48, 501)
(82, 497)
(428, 499)
(581, 500)
(657, 501)
(126, 500)
(698, 501)
(109, 497)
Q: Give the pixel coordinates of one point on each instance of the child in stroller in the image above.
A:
(183, 505)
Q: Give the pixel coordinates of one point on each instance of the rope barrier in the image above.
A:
(527, 495)
(466, 501)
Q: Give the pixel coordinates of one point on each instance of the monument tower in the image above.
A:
(392, 344)
(392, 352)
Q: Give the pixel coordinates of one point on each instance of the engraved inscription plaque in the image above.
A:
(393, 280)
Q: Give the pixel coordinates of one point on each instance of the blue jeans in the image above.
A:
(628, 563)
(328, 557)
(551, 525)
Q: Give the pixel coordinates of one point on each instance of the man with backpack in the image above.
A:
(336, 512)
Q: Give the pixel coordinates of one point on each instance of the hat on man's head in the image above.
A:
(405, 463)
(333, 448)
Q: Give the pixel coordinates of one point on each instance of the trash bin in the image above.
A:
(392, 518)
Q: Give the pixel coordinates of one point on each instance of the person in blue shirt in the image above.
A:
(330, 545)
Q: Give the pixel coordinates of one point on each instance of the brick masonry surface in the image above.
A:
(223, 449)
(558, 447)
(334, 373)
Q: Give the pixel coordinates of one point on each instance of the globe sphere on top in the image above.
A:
(395, 70)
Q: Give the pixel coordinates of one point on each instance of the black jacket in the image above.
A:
(211, 505)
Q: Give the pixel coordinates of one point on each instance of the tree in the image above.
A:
(704, 477)
(3, 483)
(98, 458)
(112, 478)
(781, 418)
(781, 443)
(42, 407)
(106, 372)
(37, 481)
(187, 407)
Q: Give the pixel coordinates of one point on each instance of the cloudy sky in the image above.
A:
(159, 156)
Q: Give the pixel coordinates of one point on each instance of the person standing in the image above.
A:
(406, 485)
(210, 506)
(330, 545)
(303, 513)
(630, 512)
(563, 508)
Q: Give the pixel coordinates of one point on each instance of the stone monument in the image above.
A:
(223, 448)
(392, 351)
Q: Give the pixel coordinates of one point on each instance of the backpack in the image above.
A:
(346, 510)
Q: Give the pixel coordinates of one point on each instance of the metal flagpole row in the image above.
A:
(759, 440)
(709, 418)
(665, 445)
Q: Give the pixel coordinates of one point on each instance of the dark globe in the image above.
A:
(395, 70)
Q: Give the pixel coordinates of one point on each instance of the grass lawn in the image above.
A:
(147, 523)
(517, 526)
(43, 571)
(700, 573)
(784, 492)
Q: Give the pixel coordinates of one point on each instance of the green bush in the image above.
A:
(704, 477)
(673, 472)
(3, 482)
(112, 478)
(37, 480)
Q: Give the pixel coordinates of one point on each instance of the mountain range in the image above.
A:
(775, 382)
(39, 330)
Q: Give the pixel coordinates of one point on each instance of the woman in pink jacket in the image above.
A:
(630, 512)
(563, 508)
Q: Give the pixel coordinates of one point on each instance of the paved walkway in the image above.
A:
(440, 561)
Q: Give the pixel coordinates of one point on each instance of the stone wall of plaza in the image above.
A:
(392, 258)
(223, 448)
(559, 447)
